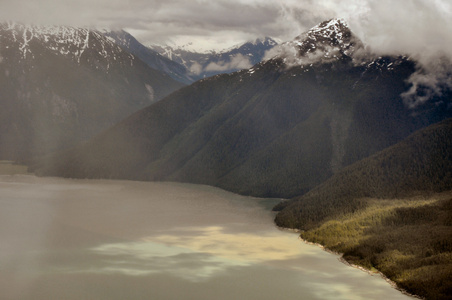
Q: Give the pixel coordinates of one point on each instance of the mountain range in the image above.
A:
(277, 129)
(202, 65)
(319, 119)
(188, 66)
(152, 58)
(61, 85)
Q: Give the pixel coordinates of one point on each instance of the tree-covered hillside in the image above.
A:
(390, 212)
(419, 164)
(276, 130)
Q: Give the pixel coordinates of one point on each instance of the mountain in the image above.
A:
(329, 41)
(149, 56)
(420, 163)
(202, 65)
(391, 212)
(277, 129)
(62, 85)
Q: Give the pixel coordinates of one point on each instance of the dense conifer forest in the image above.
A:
(391, 212)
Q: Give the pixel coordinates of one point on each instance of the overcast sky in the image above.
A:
(401, 26)
(421, 29)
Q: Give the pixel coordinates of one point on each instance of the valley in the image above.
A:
(274, 130)
(146, 173)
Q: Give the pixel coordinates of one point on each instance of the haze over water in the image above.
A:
(101, 239)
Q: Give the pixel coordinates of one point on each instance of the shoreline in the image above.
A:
(393, 284)
(341, 258)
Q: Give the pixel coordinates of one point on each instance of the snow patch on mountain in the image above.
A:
(236, 58)
(61, 40)
(329, 41)
(333, 41)
(172, 49)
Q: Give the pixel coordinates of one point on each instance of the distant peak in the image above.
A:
(265, 41)
(333, 24)
(334, 31)
(328, 41)
(61, 40)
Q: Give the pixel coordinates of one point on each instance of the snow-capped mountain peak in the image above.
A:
(62, 40)
(203, 65)
(335, 29)
(61, 85)
(328, 41)
(329, 36)
(265, 41)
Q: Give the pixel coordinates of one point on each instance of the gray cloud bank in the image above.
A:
(404, 26)
(419, 28)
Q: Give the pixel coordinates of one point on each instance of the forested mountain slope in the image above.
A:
(391, 212)
(277, 129)
(422, 163)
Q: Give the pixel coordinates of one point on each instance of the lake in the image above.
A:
(105, 239)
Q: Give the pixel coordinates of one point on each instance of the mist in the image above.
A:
(238, 62)
(419, 29)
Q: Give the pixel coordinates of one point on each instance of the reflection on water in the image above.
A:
(197, 253)
(246, 247)
(143, 258)
(81, 239)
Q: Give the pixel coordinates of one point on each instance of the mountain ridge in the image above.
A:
(210, 63)
(391, 212)
(61, 85)
(152, 58)
(421, 162)
(274, 130)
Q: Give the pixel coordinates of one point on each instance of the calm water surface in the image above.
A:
(100, 239)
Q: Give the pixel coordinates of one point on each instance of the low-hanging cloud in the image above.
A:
(237, 62)
(292, 57)
(196, 68)
(432, 78)
(421, 29)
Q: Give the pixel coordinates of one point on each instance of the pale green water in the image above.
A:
(86, 239)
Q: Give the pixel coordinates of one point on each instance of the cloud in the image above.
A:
(393, 26)
(196, 68)
(237, 62)
(431, 79)
(387, 25)
(291, 55)
(419, 28)
(413, 27)
(156, 21)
